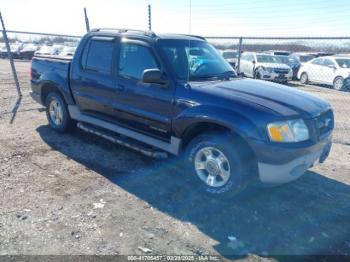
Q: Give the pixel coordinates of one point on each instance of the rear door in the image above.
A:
(329, 71)
(93, 81)
(145, 107)
(314, 70)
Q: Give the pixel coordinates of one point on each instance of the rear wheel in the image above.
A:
(57, 113)
(214, 164)
(304, 78)
(338, 83)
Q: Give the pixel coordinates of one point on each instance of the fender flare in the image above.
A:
(60, 83)
(234, 121)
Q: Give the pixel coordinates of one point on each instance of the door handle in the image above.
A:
(120, 87)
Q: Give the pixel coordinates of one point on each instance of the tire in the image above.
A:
(204, 154)
(338, 83)
(57, 113)
(304, 78)
(257, 74)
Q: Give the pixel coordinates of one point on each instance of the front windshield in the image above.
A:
(195, 60)
(268, 59)
(343, 63)
(230, 54)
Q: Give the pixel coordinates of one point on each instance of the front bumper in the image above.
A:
(273, 76)
(283, 164)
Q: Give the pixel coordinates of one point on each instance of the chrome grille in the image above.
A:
(281, 71)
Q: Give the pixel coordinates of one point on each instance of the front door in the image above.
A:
(144, 107)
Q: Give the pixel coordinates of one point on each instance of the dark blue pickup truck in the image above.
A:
(175, 94)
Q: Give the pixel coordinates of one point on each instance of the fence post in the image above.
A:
(10, 57)
(239, 54)
(87, 24)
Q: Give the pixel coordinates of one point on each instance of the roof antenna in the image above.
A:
(189, 43)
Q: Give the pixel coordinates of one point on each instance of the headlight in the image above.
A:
(268, 69)
(288, 131)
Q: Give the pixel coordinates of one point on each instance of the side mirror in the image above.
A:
(153, 76)
(253, 62)
(332, 66)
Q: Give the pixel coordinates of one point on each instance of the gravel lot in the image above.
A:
(79, 194)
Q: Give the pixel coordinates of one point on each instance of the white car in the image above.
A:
(265, 66)
(329, 70)
(50, 50)
(231, 57)
(68, 51)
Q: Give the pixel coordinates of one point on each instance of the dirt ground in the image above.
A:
(79, 194)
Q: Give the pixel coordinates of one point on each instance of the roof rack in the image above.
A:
(125, 30)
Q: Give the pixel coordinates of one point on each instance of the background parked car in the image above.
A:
(264, 66)
(27, 51)
(14, 50)
(68, 51)
(329, 70)
(295, 60)
(44, 50)
(50, 50)
(278, 52)
(231, 57)
(3, 51)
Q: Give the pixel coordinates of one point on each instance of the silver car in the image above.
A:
(265, 66)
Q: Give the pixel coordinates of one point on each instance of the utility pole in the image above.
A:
(10, 57)
(149, 18)
(87, 24)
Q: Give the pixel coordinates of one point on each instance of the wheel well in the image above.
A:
(335, 78)
(46, 89)
(200, 128)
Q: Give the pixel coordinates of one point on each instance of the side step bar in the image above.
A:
(173, 147)
(134, 145)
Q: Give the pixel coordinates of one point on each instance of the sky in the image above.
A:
(208, 18)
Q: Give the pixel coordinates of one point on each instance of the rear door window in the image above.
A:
(99, 56)
(328, 62)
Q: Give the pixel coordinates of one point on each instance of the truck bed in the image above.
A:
(51, 69)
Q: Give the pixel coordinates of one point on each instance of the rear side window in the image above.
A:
(328, 62)
(99, 56)
(318, 61)
(134, 59)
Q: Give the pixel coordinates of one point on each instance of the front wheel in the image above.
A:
(214, 164)
(57, 113)
(304, 78)
(338, 83)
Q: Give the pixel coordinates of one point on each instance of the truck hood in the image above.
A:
(281, 99)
